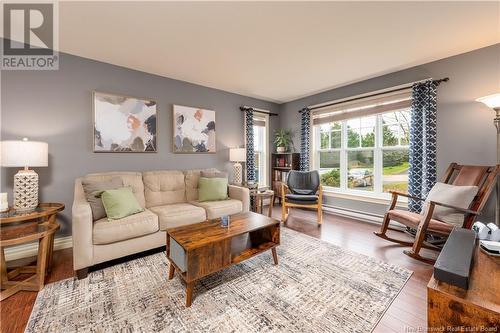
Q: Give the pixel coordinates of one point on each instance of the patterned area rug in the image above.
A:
(317, 287)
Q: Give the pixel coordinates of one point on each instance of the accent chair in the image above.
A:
(303, 190)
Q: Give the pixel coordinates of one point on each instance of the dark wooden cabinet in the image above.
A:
(281, 164)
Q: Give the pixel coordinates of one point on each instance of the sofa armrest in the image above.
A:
(242, 194)
(81, 226)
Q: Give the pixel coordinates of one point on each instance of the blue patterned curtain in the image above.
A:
(249, 145)
(422, 174)
(305, 137)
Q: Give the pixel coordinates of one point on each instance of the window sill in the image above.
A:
(383, 200)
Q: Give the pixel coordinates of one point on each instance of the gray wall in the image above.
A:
(465, 128)
(56, 107)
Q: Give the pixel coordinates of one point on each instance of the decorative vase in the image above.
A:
(281, 149)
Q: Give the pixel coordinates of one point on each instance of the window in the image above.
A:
(261, 144)
(367, 153)
(395, 158)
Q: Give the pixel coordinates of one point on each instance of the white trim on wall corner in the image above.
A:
(31, 249)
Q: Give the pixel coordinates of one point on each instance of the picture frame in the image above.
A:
(124, 124)
(193, 130)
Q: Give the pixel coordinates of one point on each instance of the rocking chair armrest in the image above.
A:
(463, 210)
(403, 194)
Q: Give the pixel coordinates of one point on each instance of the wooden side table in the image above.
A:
(477, 309)
(258, 201)
(19, 228)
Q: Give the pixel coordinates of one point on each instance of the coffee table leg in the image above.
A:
(171, 272)
(275, 255)
(189, 293)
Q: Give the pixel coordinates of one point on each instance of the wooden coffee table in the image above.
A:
(200, 249)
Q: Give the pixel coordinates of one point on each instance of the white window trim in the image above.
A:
(343, 191)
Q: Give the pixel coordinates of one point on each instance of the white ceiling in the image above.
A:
(275, 51)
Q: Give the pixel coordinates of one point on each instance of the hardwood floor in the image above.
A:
(406, 314)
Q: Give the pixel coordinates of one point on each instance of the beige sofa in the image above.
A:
(169, 199)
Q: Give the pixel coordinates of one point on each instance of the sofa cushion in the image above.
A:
(216, 209)
(137, 225)
(213, 174)
(176, 215)
(212, 189)
(458, 196)
(192, 177)
(93, 189)
(132, 179)
(301, 199)
(120, 203)
(164, 187)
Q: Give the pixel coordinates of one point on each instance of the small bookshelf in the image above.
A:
(281, 164)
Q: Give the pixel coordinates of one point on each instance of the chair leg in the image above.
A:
(384, 226)
(283, 212)
(420, 237)
(417, 246)
(82, 273)
(320, 215)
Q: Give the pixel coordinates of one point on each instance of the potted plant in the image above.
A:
(283, 140)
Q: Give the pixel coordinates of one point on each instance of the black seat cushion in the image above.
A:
(304, 199)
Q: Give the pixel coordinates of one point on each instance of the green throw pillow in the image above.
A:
(120, 203)
(212, 189)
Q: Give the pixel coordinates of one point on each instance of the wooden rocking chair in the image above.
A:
(460, 175)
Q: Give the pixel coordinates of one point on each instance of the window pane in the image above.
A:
(368, 121)
(368, 137)
(360, 170)
(336, 139)
(389, 118)
(353, 134)
(395, 170)
(324, 140)
(330, 161)
(258, 137)
(405, 134)
(336, 126)
(257, 166)
(390, 135)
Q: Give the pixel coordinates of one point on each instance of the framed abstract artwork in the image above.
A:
(124, 124)
(194, 130)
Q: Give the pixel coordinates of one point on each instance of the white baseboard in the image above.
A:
(31, 249)
(361, 216)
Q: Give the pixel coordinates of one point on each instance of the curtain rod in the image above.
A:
(405, 86)
(245, 108)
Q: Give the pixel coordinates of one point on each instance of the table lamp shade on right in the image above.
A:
(24, 153)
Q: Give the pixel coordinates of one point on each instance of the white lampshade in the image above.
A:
(237, 155)
(24, 153)
(493, 101)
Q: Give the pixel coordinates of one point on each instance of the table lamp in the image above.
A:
(493, 101)
(24, 154)
(237, 155)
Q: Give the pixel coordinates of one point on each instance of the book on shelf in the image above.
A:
(280, 176)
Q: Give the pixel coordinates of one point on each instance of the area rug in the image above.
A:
(317, 287)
